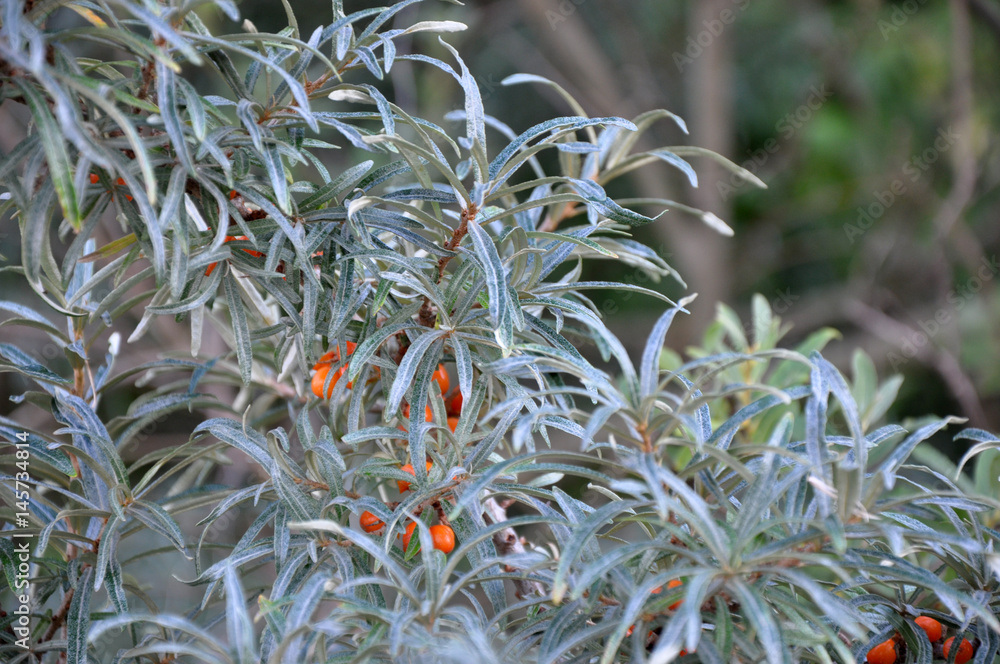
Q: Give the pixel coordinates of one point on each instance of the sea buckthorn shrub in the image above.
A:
(455, 459)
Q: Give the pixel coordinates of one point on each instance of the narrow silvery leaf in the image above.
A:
(384, 109)
(985, 441)
(436, 26)
(649, 369)
(80, 416)
(475, 121)
(367, 56)
(231, 432)
(583, 534)
(276, 174)
(388, 52)
(838, 386)
(245, 112)
(463, 363)
(239, 625)
(343, 39)
(306, 601)
(760, 615)
(166, 89)
(57, 157)
(891, 464)
(691, 151)
(195, 109)
(674, 160)
(335, 188)
(78, 619)
(107, 550)
(159, 520)
(241, 328)
(717, 224)
(496, 280)
(408, 368)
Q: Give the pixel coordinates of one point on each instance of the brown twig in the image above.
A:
(427, 316)
(508, 543)
(59, 617)
(148, 75)
(552, 222)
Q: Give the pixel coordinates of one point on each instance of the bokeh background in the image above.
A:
(873, 124)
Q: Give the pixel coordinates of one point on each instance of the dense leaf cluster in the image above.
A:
(745, 504)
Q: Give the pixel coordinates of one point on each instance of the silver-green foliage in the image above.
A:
(758, 476)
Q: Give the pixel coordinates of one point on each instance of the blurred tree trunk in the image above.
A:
(565, 42)
(705, 257)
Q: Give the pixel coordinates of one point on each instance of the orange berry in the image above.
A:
(403, 486)
(441, 376)
(252, 252)
(883, 653)
(453, 423)
(232, 194)
(428, 412)
(673, 583)
(121, 183)
(443, 537)
(229, 238)
(965, 650)
(370, 523)
(409, 533)
(931, 626)
(405, 412)
(93, 178)
(333, 355)
(319, 379)
(454, 404)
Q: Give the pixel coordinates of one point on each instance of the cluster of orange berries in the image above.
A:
(120, 182)
(441, 534)
(887, 652)
(322, 368)
(673, 583)
(230, 238)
